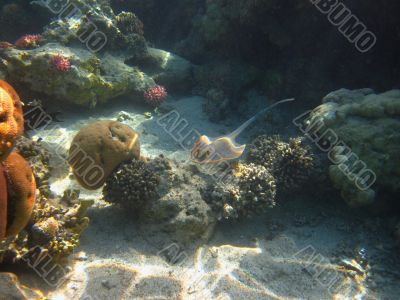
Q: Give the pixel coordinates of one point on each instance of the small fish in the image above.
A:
(207, 150)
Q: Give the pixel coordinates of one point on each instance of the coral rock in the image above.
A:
(99, 148)
(11, 118)
(21, 186)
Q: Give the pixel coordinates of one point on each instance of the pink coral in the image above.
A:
(155, 95)
(61, 63)
(29, 41)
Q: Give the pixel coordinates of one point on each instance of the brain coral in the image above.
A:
(99, 148)
(21, 192)
(11, 118)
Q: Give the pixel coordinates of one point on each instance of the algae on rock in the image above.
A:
(89, 81)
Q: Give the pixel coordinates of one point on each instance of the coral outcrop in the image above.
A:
(251, 191)
(11, 118)
(165, 198)
(132, 184)
(361, 133)
(292, 163)
(90, 80)
(99, 148)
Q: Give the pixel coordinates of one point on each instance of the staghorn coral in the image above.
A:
(20, 191)
(11, 118)
(131, 185)
(251, 191)
(99, 148)
(292, 163)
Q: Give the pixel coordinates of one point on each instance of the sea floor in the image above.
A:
(305, 248)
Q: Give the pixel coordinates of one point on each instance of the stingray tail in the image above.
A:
(234, 134)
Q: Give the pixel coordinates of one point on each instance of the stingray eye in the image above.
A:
(208, 153)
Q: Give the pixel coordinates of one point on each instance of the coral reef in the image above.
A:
(155, 95)
(361, 129)
(128, 22)
(164, 197)
(11, 118)
(292, 163)
(29, 41)
(19, 192)
(95, 24)
(39, 160)
(53, 228)
(99, 148)
(251, 191)
(131, 185)
(90, 79)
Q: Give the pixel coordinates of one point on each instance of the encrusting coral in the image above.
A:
(99, 148)
(11, 118)
(251, 191)
(292, 163)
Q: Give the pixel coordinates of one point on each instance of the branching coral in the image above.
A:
(251, 192)
(132, 184)
(292, 163)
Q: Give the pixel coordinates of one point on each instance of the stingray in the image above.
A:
(215, 150)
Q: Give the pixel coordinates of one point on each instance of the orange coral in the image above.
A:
(3, 203)
(21, 187)
(11, 118)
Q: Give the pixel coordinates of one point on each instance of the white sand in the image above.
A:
(254, 259)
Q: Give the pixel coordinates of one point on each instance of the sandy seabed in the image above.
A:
(302, 249)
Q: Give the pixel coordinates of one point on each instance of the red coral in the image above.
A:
(29, 41)
(61, 63)
(155, 95)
